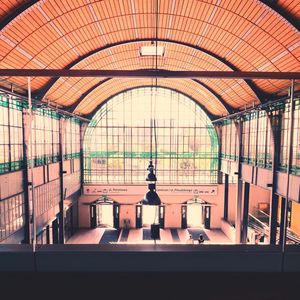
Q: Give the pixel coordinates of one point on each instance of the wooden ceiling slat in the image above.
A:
(243, 32)
(127, 56)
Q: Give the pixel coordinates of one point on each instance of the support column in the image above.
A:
(282, 223)
(245, 213)
(226, 186)
(25, 133)
(238, 211)
(83, 127)
(31, 183)
(275, 128)
(239, 189)
(289, 164)
(61, 179)
(219, 134)
(273, 219)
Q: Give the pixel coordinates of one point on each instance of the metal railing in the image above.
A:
(260, 223)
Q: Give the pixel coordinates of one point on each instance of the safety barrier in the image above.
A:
(132, 258)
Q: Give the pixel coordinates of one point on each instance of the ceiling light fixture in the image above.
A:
(152, 51)
(151, 197)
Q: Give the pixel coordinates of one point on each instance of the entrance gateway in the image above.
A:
(192, 215)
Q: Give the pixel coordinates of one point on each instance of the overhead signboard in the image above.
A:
(112, 190)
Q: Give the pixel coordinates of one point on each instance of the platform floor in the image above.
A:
(135, 236)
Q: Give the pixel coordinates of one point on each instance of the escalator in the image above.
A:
(259, 222)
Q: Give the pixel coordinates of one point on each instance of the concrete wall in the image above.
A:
(173, 216)
(84, 210)
(53, 171)
(11, 184)
(107, 258)
(229, 230)
(294, 186)
(47, 191)
(257, 195)
(295, 218)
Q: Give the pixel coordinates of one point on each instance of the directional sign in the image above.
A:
(188, 190)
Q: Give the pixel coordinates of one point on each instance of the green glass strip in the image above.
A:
(16, 165)
(9, 167)
(4, 167)
(146, 154)
(73, 155)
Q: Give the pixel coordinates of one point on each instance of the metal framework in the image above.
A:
(46, 105)
(149, 73)
(179, 149)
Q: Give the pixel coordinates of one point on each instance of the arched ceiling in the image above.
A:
(177, 57)
(246, 35)
(114, 86)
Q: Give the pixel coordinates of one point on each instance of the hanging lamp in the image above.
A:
(151, 197)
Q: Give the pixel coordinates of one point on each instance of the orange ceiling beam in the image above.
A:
(149, 73)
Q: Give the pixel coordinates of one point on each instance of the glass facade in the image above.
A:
(256, 140)
(45, 150)
(117, 143)
(45, 136)
(12, 215)
(11, 134)
(229, 149)
(285, 123)
(71, 138)
(296, 141)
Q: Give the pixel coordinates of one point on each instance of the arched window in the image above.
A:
(117, 142)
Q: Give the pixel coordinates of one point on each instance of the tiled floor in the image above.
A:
(87, 236)
(93, 236)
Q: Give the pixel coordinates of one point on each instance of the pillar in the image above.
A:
(61, 237)
(226, 187)
(239, 189)
(245, 213)
(27, 235)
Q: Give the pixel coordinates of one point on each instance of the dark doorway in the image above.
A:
(55, 231)
(183, 216)
(139, 213)
(116, 215)
(47, 234)
(206, 212)
(93, 216)
(162, 216)
(69, 229)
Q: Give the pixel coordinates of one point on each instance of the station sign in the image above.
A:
(180, 190)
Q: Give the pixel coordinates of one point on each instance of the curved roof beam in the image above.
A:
(258, 93)
(208, 113)
(17, 13)
(282, 12)
(72, 107)
(228, 107)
